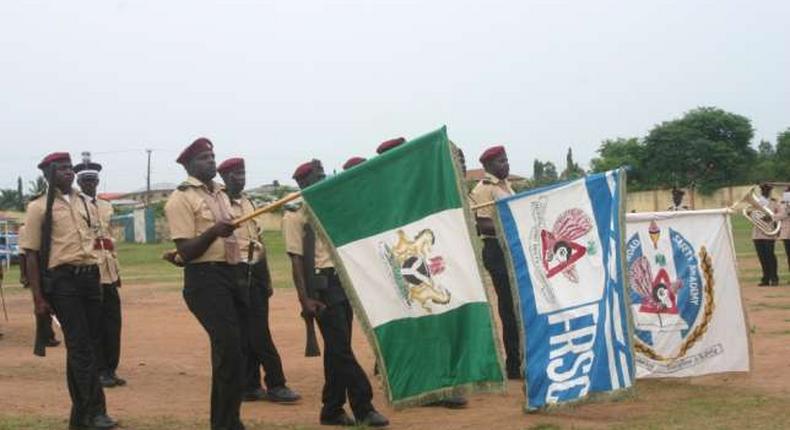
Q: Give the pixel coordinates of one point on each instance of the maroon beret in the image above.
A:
(389, 144)
(304, 169)
(231, 164)
(51, 158)
(200, 145)
(492, 152)
(353, 161)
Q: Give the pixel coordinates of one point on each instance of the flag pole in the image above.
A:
(482, 205)
(268, 208)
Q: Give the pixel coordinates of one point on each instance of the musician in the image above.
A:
(320, 294)
(784, 233)
(109, 349)
(677, 201)
(764, 243)
(199, 216)
(258, 347)
(492, 187)
(64, 278)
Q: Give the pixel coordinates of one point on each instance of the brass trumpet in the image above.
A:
(760, 215)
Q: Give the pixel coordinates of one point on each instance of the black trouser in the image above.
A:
(259, 349)
(343, 376)
(767, 257)
(109, 351)
(787, 251)
(216, 298)
(494, 262)
(75, 295)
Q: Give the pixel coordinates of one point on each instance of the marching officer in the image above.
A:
(64, 278)
(492, 187)
(677, 201)
(109, 349)
(764, 243)
(784, 233)
(253, 271)
(199, 216)
(321, 295)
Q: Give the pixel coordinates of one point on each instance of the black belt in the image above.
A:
(212, 263)
(76, 270)
(327, 271)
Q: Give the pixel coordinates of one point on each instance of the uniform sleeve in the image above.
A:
(34, 218)
(292, 233)
(180, 218)
(482, 194)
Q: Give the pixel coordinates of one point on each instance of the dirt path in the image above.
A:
(166, 361)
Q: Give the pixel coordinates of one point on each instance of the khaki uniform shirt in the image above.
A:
(248, 233)
(784, 233)
(490, 189)
(776, 208)
(109, 270)
(293, 233)
(72, 233)
(188, 216)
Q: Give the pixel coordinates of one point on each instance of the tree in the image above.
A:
(623, 152)
(782, 157)
(544, 173)
(9, 199)
(765, 164)
(706, 148)
(39, 186)
(572, 170)
(20, 195)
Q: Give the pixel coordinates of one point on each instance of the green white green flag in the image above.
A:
(403, 246)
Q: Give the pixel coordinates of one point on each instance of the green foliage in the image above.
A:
(39, 186)
(9, 199)
(543, 174)
(707, 148)
(622, 152)
(572, 169)
(782, 157)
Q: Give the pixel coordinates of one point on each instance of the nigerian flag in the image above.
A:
(403, 246)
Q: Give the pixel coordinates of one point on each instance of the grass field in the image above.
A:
(653, 404)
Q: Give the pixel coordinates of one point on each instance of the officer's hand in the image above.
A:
(223, 228)
(312, 307)
(172, 257)
(41, 307)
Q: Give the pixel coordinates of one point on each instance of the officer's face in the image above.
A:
(235, 180)
(203, 166)
(62, 174)
(316, 175)
(498, 166)
(88, 184)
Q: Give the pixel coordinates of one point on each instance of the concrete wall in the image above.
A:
(658, 200)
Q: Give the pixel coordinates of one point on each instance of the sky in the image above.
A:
(281, 82)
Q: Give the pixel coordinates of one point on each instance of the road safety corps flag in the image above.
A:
(564, 246)
(402, 242)
(685, 298)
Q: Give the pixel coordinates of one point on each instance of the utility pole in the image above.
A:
(148, 180)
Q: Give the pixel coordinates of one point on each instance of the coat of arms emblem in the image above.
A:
(415, 270)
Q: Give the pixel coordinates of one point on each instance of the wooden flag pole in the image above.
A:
(268, 208)
(482, 205)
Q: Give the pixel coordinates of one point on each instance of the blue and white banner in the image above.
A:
(564, 244)
(685, 297)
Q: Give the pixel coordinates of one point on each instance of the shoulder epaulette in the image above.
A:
(185, 186)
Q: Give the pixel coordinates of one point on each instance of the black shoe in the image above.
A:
(763, 284)
(774, 282)
(341, 419)
(118, 381)
(99, 422)
(374, 419)
(282, 395)
(53, 343)
(514, 374)
(106, 380)
(254, 395)
(452, 402)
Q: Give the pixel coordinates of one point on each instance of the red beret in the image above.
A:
(231, 164)
(200, 145)
(492, 152)
(304, 169)
(353, 161)
(389, 144)
(51, 158)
